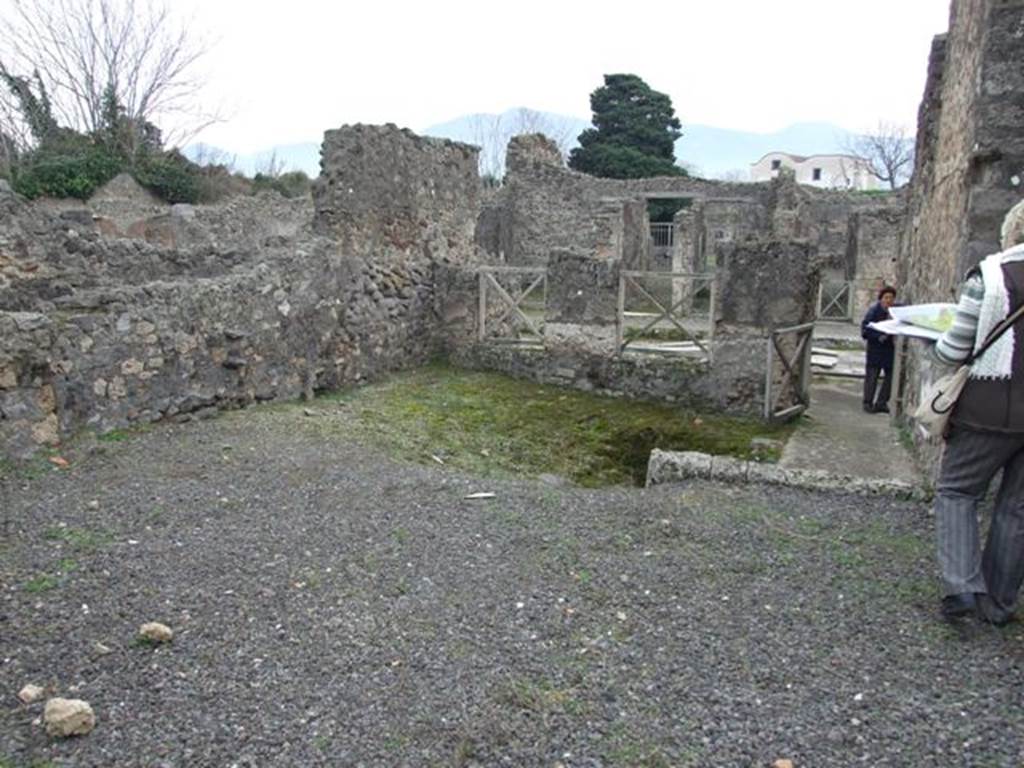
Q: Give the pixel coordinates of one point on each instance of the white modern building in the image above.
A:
(827, 171)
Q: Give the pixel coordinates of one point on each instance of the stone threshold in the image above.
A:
(677, 466)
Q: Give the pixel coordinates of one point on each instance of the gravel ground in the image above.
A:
(334, 607)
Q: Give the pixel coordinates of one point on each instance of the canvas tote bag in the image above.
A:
(940, 399)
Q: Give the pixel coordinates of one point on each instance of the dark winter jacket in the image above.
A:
(880, 350)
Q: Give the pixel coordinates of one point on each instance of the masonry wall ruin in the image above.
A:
(110, 320)
(545, 208)
(969, 164)
(99, 332)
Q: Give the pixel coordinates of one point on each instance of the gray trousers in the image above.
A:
(970, 462)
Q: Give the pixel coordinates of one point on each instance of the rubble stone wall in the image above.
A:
(102, 332)
(545, 208)
(875, 238)
(385, 191)
(969, 165)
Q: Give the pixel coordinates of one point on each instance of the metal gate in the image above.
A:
(788, 394)
(662, 241)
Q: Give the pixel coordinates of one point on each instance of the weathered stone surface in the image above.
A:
(675, 466)
(544, 207)
(968, 162)
(155, 632)
(385, 191)
(581, 289)
(767, 283)
(132, 345)
(68, 717)
(30, 693)
(529, 149)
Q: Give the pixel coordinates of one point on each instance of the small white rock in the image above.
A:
(156, 632)
(68, 717)
(30, 694)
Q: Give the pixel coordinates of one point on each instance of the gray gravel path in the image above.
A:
(334, 608)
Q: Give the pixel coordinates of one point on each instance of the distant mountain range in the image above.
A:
(708, 151)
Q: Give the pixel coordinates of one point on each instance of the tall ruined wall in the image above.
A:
(970, 147)
(386, 191)
(101, 333)
(969, 165)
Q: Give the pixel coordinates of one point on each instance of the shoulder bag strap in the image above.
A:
(995, 333)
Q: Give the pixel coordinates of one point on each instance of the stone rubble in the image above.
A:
(31, 693)
(155, 632)
(68, 717)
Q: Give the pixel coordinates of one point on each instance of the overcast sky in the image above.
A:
(284, 72)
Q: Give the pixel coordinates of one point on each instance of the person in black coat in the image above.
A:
(881, 354)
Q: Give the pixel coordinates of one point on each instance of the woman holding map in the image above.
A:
(986, 434)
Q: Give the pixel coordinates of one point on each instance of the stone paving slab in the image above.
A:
(837, 436)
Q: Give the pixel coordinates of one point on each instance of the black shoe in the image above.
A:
(990, 613)
(958, 606)
(882, 409)
(868, 408)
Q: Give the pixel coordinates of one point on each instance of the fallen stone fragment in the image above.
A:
(68, 717)
(155, 632)
(30, 694)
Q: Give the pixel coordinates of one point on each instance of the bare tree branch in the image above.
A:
(83, 47)
(493, 132)
(888, 152)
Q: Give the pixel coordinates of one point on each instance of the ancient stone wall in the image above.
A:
(969, 166)
(764, 286)
(582, 310)
(99, 332)
(385, 191)
(875, 238)
(767, 284)
(723, 222)
(645, 377)
(545, 207)
(278, 329)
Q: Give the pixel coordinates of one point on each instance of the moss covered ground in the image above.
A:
(490, 424)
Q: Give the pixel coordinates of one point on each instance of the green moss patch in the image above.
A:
(486, 423)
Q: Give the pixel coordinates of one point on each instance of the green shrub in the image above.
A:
(67, 169)
(291, 184)
(170, 175)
